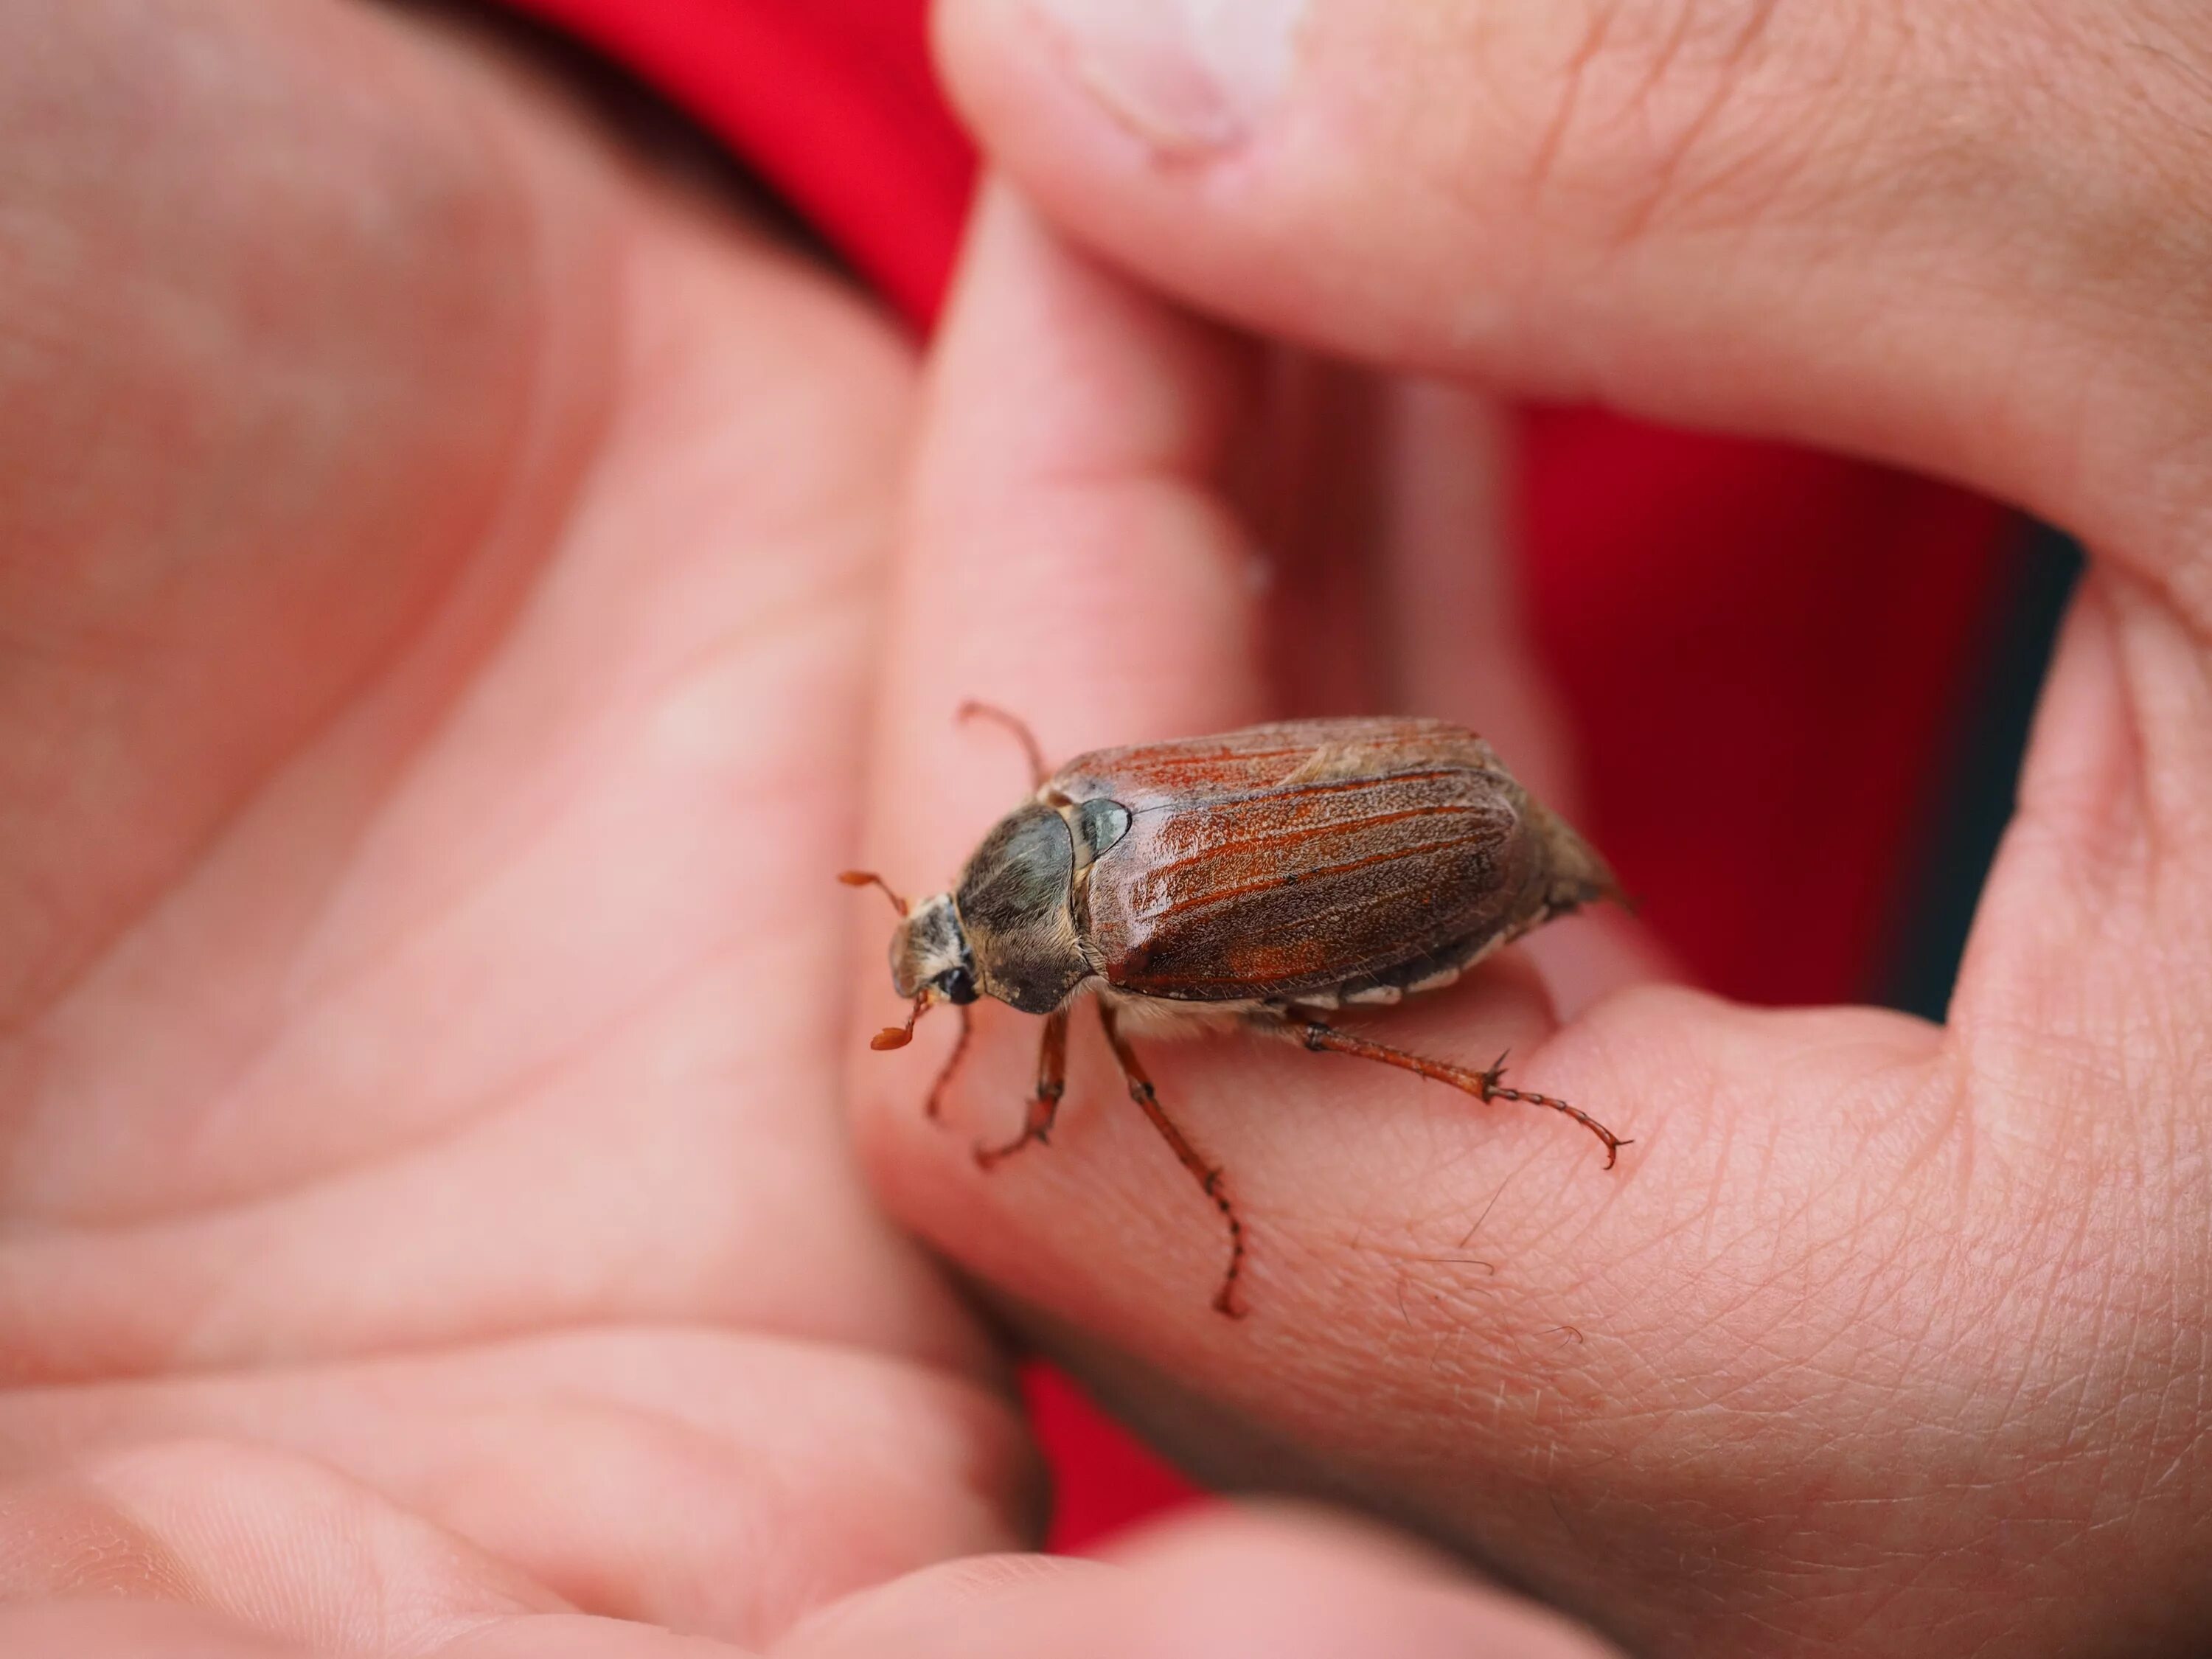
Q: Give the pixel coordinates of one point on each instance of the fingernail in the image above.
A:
(1187, 76)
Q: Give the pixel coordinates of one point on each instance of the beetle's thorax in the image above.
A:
(1016, 907)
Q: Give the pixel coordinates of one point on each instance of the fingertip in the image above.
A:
(1069, 557)
(1074, 367)
(937, 1609)
(1312, 1585)
(1293, 1584)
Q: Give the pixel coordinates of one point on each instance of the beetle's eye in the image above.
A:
(955, 985)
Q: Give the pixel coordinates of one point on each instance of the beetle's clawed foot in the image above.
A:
(1493, 1088)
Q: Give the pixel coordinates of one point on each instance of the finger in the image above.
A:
(133, 1630)
(1072, 558)
(1310, 485)
(197, 1549)
(73, 1629)
(1937, 245)
(1283, 1586)
(1461, 645)
(1385, 512)
(278, 1544)
(1829, 221)
(712, 1483)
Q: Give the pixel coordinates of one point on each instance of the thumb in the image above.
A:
(1840, 222)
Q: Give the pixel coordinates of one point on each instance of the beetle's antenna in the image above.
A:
(897, 1037)
(866, 878)
(1039, 771)
(891, 1036)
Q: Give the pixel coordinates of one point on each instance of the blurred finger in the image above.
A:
(709, 1481)
(278, 1544)
(1461, 645)
(1832, 222)
(1073, 559)
(1286, 1587)
(1462, 648)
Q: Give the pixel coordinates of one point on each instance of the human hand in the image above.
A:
(439, 577)
(442, 576)
(1883, 1337)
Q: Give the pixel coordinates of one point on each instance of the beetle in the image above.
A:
(1264, 877)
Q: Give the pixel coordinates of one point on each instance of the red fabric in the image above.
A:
(831, 100)
(1756, 642)
(1759, 645)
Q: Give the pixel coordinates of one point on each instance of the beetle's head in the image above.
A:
(930, 956)
(930, 959)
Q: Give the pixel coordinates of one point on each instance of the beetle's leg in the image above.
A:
(1044, 1104)
(1493, 1089)
(1038, 771)
(936, 1102)
(1483, 1085)
(1207, 1176)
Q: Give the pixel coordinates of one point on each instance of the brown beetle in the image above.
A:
(1262, 877)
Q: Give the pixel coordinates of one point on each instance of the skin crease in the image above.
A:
(1884, 1338)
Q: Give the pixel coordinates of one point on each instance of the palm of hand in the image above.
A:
(421, 1045)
